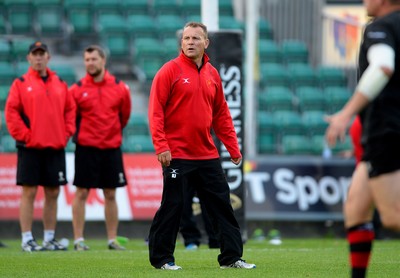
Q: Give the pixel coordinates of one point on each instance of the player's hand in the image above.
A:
(338, 124)
(236, 161)
(165, 158)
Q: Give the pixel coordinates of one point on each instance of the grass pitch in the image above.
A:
(294, 258)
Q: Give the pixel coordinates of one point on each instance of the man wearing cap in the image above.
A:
(40, 116)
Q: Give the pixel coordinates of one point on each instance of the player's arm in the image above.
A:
(381, 59)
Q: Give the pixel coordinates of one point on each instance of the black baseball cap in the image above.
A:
(38, 45)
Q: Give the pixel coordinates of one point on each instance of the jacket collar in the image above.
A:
(187, 60)
(36, 74)
(107, 77)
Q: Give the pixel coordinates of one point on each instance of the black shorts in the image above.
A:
(41, 167)
(382, 156)
(97, 168)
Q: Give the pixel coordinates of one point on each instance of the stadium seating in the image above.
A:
(267, 144)
(118, 45)
(8, 143)
(135, 7)
(114, 32)
(47, 3)
(4, 26)
(265, 30)
(171, 48)
(5, 51)
(21, 21)
(292, 98)
(168, 25)
(310, 98)
(269, 51)
(106, 7)
(225, 8)
(137, 143)
(230, 22)
(190, 7)
(275, 98)
(274, 74)
(318, 144)
(111, 24)
(78, 4)
(294, 51)
(193, 17)
(331, 76)
(335, 98)
(166, 7)
(80, 16)
(148, 56)
(7, 73)
(265, 123)
(302, 75)
(147, 48)
(296, 144)
(4, 89)
(49, 16)
(150, 66)
(137, 125)
(3, 128)
(22, 67)
(142, 26)
(20, 48)
(66, 72)
(288, 123)
(314, 122)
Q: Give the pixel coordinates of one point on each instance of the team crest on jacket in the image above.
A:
(186, 81)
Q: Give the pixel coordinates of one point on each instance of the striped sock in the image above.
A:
(360, 238)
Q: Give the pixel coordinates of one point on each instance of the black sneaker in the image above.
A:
(53, 245)
(31, 246)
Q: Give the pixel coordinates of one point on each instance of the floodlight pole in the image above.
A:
(210, 14)
(252, 18)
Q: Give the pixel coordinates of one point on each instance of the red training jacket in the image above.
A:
(185, 104)
(40, 114)
(103, 110)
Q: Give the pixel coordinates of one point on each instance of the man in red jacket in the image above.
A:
(103, 110)
(40, 116)
(186, 102)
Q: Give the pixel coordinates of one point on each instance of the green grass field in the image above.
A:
(294, 258)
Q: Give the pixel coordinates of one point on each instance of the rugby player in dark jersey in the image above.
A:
(377, 101)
